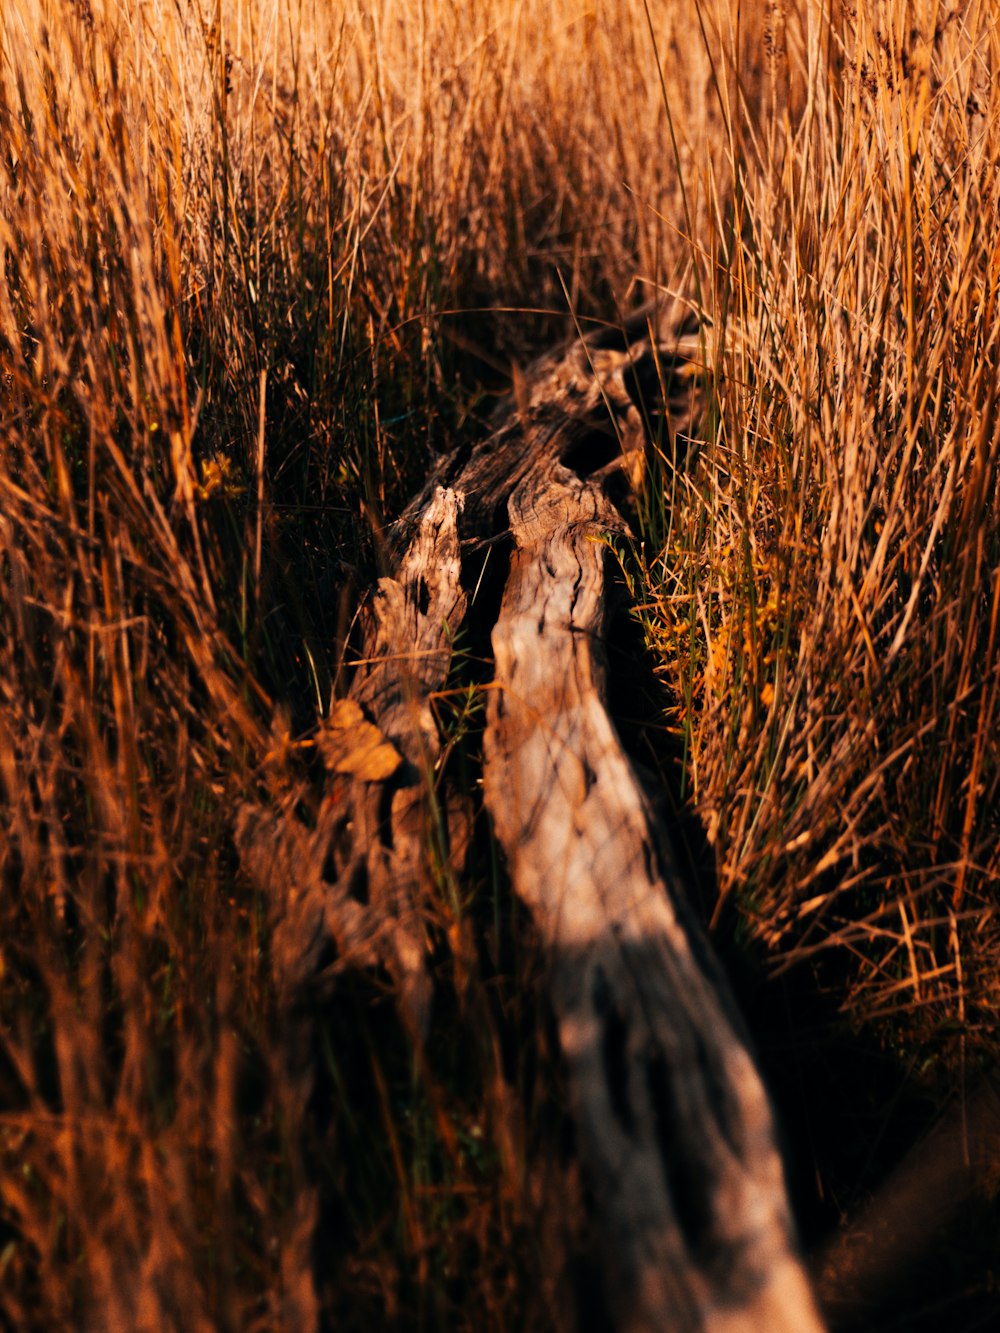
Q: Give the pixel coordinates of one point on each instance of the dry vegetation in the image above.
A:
(829, 587)
(258, 260)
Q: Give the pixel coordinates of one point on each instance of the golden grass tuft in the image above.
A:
(831, 584)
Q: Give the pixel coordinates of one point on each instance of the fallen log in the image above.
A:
(675, 1132)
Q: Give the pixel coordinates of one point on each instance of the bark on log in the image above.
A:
(675, 1130)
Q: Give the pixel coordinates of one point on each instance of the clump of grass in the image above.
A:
(829, 590)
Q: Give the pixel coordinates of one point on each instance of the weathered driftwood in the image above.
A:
(353, 884)
(675, 1131)
(675, 1128)
(347, 893)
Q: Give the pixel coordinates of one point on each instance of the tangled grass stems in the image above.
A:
(829, 601)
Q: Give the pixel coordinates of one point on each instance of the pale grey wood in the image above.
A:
(676, 1133)
(318, 878)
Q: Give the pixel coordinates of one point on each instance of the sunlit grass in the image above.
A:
(829, 593)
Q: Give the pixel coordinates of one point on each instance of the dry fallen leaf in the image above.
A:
(351, 744)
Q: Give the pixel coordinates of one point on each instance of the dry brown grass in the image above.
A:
(239, 248)
(831, 582)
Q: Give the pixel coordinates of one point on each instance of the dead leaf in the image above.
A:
(351, 744)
